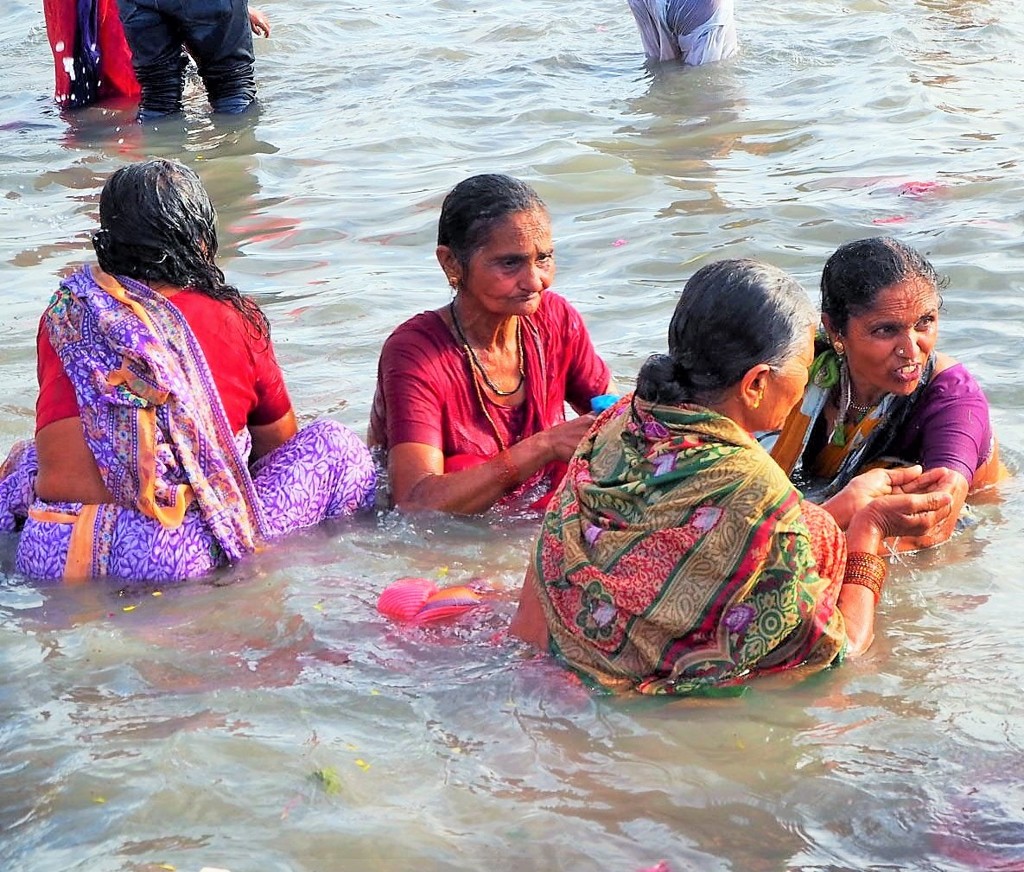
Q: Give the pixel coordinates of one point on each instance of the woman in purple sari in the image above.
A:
(166, 444)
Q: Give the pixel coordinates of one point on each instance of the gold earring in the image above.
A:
(840, 349)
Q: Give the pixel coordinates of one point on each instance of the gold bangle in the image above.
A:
(867, 570)
(863, 581)
(866, 563)
(509, 475)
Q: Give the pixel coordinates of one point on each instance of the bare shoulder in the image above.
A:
(944, 362)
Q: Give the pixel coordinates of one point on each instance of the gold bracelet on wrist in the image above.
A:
(867, 570)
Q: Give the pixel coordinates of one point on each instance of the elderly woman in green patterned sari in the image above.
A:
(677, 558)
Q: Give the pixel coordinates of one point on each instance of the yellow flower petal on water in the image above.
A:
(374, 692)
(442, 571)
(128, 608)
(362, 764)
(157, 593)
(99, 799)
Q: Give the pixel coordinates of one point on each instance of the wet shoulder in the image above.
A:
(422, 331)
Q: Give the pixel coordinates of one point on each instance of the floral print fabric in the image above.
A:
(676, 557)
(184, 499)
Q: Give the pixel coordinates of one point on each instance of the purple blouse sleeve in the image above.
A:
(951, 426)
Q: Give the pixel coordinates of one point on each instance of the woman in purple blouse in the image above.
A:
(879, 393)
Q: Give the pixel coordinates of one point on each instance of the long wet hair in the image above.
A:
(157, 224)
(476, 205)
(731, 315)
(856, 272)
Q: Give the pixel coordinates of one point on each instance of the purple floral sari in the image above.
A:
(184, 499)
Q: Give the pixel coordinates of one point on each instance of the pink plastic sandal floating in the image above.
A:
(420, 601)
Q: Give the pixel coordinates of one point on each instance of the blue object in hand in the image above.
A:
(603, 401)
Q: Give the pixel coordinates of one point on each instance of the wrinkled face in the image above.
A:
(888, 346)
(786, 385)
(508, 274)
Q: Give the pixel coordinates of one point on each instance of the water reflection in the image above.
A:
(125, 736)
(224, 150)
(680, 131)
(956, 34)
(963, 13)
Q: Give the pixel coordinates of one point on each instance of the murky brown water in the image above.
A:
(273, 721)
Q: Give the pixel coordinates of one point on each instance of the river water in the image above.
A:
(270, 719)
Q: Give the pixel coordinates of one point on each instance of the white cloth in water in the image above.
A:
(692, 31)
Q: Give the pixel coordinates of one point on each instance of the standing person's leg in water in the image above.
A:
(216, 33)
(155, 41)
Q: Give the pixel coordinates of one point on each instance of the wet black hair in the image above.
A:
(856, 272)
(476, 205)
(157, 224)
(731, 315)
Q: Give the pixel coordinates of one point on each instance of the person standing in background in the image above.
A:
(694, 32)
(217, 35)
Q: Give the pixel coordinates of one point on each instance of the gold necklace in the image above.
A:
(483, 408)
(479, 367)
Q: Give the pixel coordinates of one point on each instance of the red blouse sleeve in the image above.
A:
(272, 400)
(408, 404)
(56, 398)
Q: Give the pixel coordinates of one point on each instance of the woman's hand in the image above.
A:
(563, 438)
(898, 514)
(937, 480)
(878, 483)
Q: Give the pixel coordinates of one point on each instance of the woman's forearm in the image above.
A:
(857, 605)
(856, 601)
(475, 490)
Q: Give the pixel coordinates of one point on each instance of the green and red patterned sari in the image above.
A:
(677, 558)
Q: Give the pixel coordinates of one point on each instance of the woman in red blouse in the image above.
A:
(470, 401)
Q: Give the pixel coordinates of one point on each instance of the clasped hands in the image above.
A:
(905, 501)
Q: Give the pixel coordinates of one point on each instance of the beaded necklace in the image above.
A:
(846, 405)
(483, 407)
(478, 367)
(848, 402)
